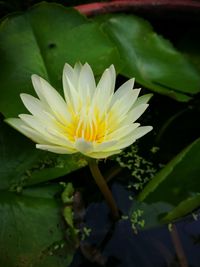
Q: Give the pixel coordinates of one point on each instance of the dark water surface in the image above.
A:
(117, 245)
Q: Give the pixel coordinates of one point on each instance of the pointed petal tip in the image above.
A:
(112, 67)
(78, 64)
(11, 121)
(150, 95)
(7, 120)
(37, 80)
(66, 65)
(150, 128)
(147, 96)
(136, 90)
(143, 130)
(113, 71)
(24, 96)
(34, 77)
(24, 116)
(132, 82)
(87, 65)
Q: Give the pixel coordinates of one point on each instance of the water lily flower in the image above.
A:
(90, 119)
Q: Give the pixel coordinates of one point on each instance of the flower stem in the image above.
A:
(100, 181)
(178, 247)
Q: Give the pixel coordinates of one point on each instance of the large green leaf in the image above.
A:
(152, 59)
(32, 230)
(40, 41)
(177, 183)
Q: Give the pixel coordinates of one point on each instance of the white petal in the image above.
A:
(70, 83)
(33, 123)
(51, 97)
(19, 125)
(34, 105)
(113, 78)
(49, 133)
(123, 89)
(83, 146)
(105, 87)
(105, 146)
(54, 149)
(141, 131)
(60, 139)
(132, 137)
(86, 81)
(143, 99)
(68, 71)
(77, 69)
(15, 123)
(71, 94)
(122, 105)
(122, 131)
(135, 113)
(125, 142)
(34, 135)
(72, 74)
(106, 84)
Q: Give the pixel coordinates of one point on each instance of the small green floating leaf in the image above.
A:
(67, 213)
(67, 194)
(151, 59)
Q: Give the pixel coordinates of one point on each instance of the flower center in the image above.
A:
(91, 127)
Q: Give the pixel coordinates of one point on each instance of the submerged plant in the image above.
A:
(92, 119)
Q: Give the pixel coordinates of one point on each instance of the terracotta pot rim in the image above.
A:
(97, 8)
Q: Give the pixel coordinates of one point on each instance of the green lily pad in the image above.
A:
(40, 41)
(183, 208)
(151, 59)
(32, 231)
